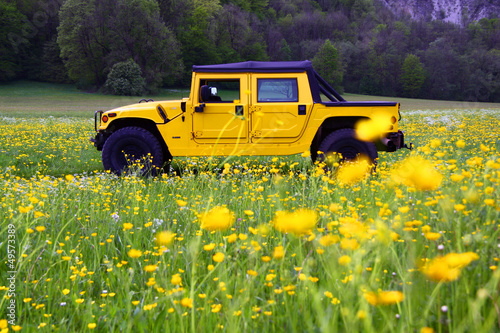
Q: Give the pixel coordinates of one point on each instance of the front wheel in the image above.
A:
(132, 149)
(344, 142)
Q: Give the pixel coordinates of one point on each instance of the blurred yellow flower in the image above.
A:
(373, 128)
(150, 268)
(40, 228)
(218, 218)
(299, 222)
(384, 297)
(127, 226)
(134, 253)
(353, 172)
(278, 252)
(329, 239)
(218, 257)
(448, 268)
(209, 247)
(344, 260)
(92, 326)
(164, 238)
(187, 302)
(176, 279)
(415, 171)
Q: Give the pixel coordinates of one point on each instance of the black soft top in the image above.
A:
(258, 67)
(317, 84)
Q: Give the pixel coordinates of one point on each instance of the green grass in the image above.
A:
(74, 226)
(28, 98)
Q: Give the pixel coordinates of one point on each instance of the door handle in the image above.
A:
(238, 110)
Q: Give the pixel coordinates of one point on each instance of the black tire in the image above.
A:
(130, 144)
(344, 141)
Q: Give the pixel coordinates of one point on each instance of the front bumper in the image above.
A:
(395, 141)
(99, 140)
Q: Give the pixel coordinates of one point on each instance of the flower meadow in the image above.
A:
(253, 243)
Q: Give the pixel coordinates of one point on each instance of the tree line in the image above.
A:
(138, 46)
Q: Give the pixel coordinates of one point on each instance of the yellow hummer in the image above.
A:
(246, 108)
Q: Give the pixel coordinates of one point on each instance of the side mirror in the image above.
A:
(204, 93)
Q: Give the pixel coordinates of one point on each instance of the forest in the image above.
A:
(132, 47)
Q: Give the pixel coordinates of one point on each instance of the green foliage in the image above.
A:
(95, 35)
(328, 65)
(12, 41)
(412, 75)
(125, 79)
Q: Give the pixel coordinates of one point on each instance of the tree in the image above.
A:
(125, 78)
(327, 63)
(12, 41)
(412, 75)
(95, 35)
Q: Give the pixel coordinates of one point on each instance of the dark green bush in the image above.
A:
(126, 79)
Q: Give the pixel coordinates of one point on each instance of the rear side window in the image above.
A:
(277, 90)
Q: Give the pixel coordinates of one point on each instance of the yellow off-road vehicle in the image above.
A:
(247, 108)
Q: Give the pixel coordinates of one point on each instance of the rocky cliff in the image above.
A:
(459, 12)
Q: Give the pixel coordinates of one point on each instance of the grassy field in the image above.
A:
(26, 98)
(247, 244)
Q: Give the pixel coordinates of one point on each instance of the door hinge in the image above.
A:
(197, 134)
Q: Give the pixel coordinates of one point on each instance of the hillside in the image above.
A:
(460, 12)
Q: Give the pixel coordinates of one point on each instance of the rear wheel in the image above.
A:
(344, 142)
(132, 149)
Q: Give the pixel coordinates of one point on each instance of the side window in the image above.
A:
(277, 90)
(222, 91)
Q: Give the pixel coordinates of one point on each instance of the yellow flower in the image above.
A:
(218, 257)
(460, 143)
(176, 279)
(164, 238)
(92, 326)
(427, 330)
(232, 238)
(187, 302)
(448, 268)
(16, 328)
(79, 300)
(329, 239)
(373, 128)
(252, 272)
(209, 247)
(218, 218)
(417, 172)
(384, 297)
(299, 222)
(181, 203)
(344, 260)
(65, 291)
(3, 324)
(278, 252)
(127, 226)
(352, 172)
(134, 253)
(432, 236)
(150, 268)
(40, 228)
(216, 307)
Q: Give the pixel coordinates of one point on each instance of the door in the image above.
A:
(221, 115)
(280, 107)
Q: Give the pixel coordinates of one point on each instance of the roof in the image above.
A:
(257, 67)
